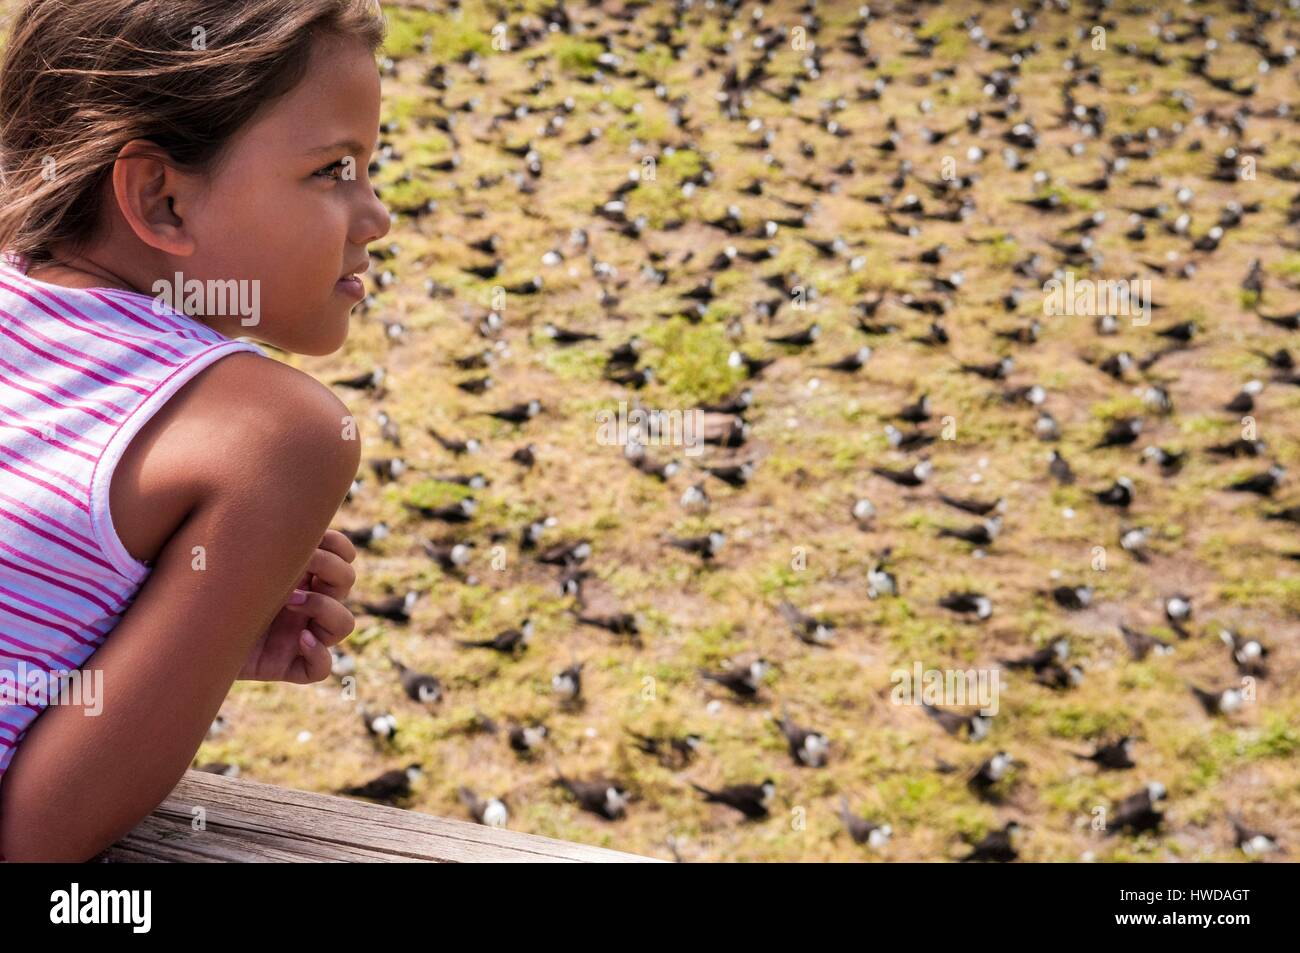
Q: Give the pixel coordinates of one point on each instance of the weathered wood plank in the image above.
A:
(246, 821)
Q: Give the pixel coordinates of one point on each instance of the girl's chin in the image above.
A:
(319, 338)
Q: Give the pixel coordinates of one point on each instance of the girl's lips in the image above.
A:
(351, 287)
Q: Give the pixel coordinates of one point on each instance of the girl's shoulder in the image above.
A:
(242, 421)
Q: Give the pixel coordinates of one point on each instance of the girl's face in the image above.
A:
(290, 206)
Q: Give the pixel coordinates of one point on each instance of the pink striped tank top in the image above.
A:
(81, 372)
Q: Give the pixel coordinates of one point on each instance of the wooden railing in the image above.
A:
(243, 821)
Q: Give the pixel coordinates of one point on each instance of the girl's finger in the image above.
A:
(329, 620)
(334, 577)
(335, 542)
(313, 662)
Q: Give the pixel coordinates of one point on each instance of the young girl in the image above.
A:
(174, 174)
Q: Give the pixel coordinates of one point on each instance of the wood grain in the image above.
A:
(244, 821)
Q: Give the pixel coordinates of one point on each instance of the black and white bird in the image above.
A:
(808, 748)
(635, 378)
(743, 681)
(798, 339)
(736, 475)
(881, 583)
(918, 412)
(674, 751)
(874, 835)
(976, 726)
(1137, 812)
(341, 663)
(976, 506)
(1117, 366)
(806, 628)
(968, 603)
(507, 642)
(599, 796)
(524, 740)
(1241, 447)
(1224, 702)
(1060, 469)
(388, 429)
(566, 554)
(1247, 654)
(518, 413)
(907, 442)
(695, 498)
(1261, 484)
(1158, 399)
(567, 336)
(452, 557)
(1253, 843)
(732, 406)
(1032, 394)
(1058, 677)
(1141, 644)
(1055, 652)
(863, 512)
(1121, 433)
(452, 445)
(1169, 461)
(366, 536)
(1244, 401)
(994, 371)
(394, 608)
(1072, 598)
(473, 481)
(629, 352)
(662, 471)
(752, 800)
(1133, 540)
(753, 366)
(1114, 755)
(370, 381)
(567, 684)
(462, 511)
(706, 547)
(381, 726)
(912, 476)
(387, 469)
(1046, 427)
(389, 787)
(418, 686)
(989, 775)
(1119, 494)
(724, 430)
(850, 363)
(996, 846)
(978, 534)
(490, 812)
(531, 534)
(1178, 611)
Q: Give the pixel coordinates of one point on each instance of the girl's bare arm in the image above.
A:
(279, 468)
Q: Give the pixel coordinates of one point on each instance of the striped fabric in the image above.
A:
(81, 372)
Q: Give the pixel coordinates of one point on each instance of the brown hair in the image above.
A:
(82, 78)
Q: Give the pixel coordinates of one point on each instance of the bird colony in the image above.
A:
(972, 330)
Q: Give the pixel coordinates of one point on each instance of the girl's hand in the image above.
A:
(295, 648)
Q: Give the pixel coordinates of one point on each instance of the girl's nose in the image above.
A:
(374, 222)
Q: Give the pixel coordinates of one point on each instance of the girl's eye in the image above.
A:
(331, 171)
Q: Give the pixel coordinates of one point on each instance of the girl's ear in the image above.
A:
(150, 193)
